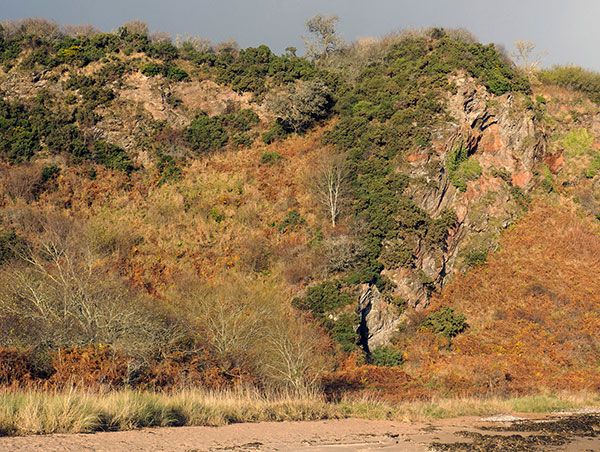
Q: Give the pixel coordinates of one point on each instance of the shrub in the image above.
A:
(305, 104)
(170, 71)
(594, 168)
(397, 253)
(175, 73)
(292, 221)
(446, 322)
(241, 121)
(547, 179)
(575, 78)
(270, 158)
(112, 156)
(343, 330)
(242, 140)
(323, 298)
(275, 133)
(475, 257)
(206, 133)
(168, 169)
(437, 232)
(163, 49)
(462, 168)
(152, 69)
(578, 142)
(386, 356)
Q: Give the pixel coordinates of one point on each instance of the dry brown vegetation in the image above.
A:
(533, 313)
(120, 279)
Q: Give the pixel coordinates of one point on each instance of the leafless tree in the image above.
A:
(526, 57)
(331, 185)
(62, 297)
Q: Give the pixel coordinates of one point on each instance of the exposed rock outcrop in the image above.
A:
(378, 319)
(501, 134)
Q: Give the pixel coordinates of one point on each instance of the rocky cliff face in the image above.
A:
(501, 135)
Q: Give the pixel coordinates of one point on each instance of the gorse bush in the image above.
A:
(112, 157)
(168, 70)
(446, 322)
(211, 133)
(386, 356)
(578, 142)
(206, 133)
(292, 221)
(325, 301)
(168, 169)
(462, 168)
(323, 298)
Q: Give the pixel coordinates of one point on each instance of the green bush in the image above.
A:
(446, 322)
(241, 121)
(275, 133)
(438, 228)
(578, 142)
(270, 158)
(170, 71)
(547, 181)
(462, 168)
(386, 356)
(112, 156)
(164, 50)
(242, 140)
(175, 73)
(152, 69)
(322, 299)
(206, 133)
(398, 254)
(343, 330)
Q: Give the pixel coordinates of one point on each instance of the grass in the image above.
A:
(73, 411)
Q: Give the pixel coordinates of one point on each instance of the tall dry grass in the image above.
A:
(72, 411)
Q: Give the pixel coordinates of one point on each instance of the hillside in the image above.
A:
(190, 214)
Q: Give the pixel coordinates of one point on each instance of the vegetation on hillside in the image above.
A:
(196, 215)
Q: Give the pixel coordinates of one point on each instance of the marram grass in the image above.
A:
(74, 411)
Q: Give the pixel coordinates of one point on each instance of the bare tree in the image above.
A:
(526, 57)
(324, 39)
(59, 295)
(331, 185)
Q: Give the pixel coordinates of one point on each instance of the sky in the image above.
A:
(564, 31)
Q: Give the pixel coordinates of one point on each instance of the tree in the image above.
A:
(331, 186)
(302, 106)
(526, 57)
(324, 39)
(56, 294)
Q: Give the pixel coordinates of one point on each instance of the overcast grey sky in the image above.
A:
(567, 31)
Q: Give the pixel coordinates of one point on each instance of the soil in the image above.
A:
(567, 432)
